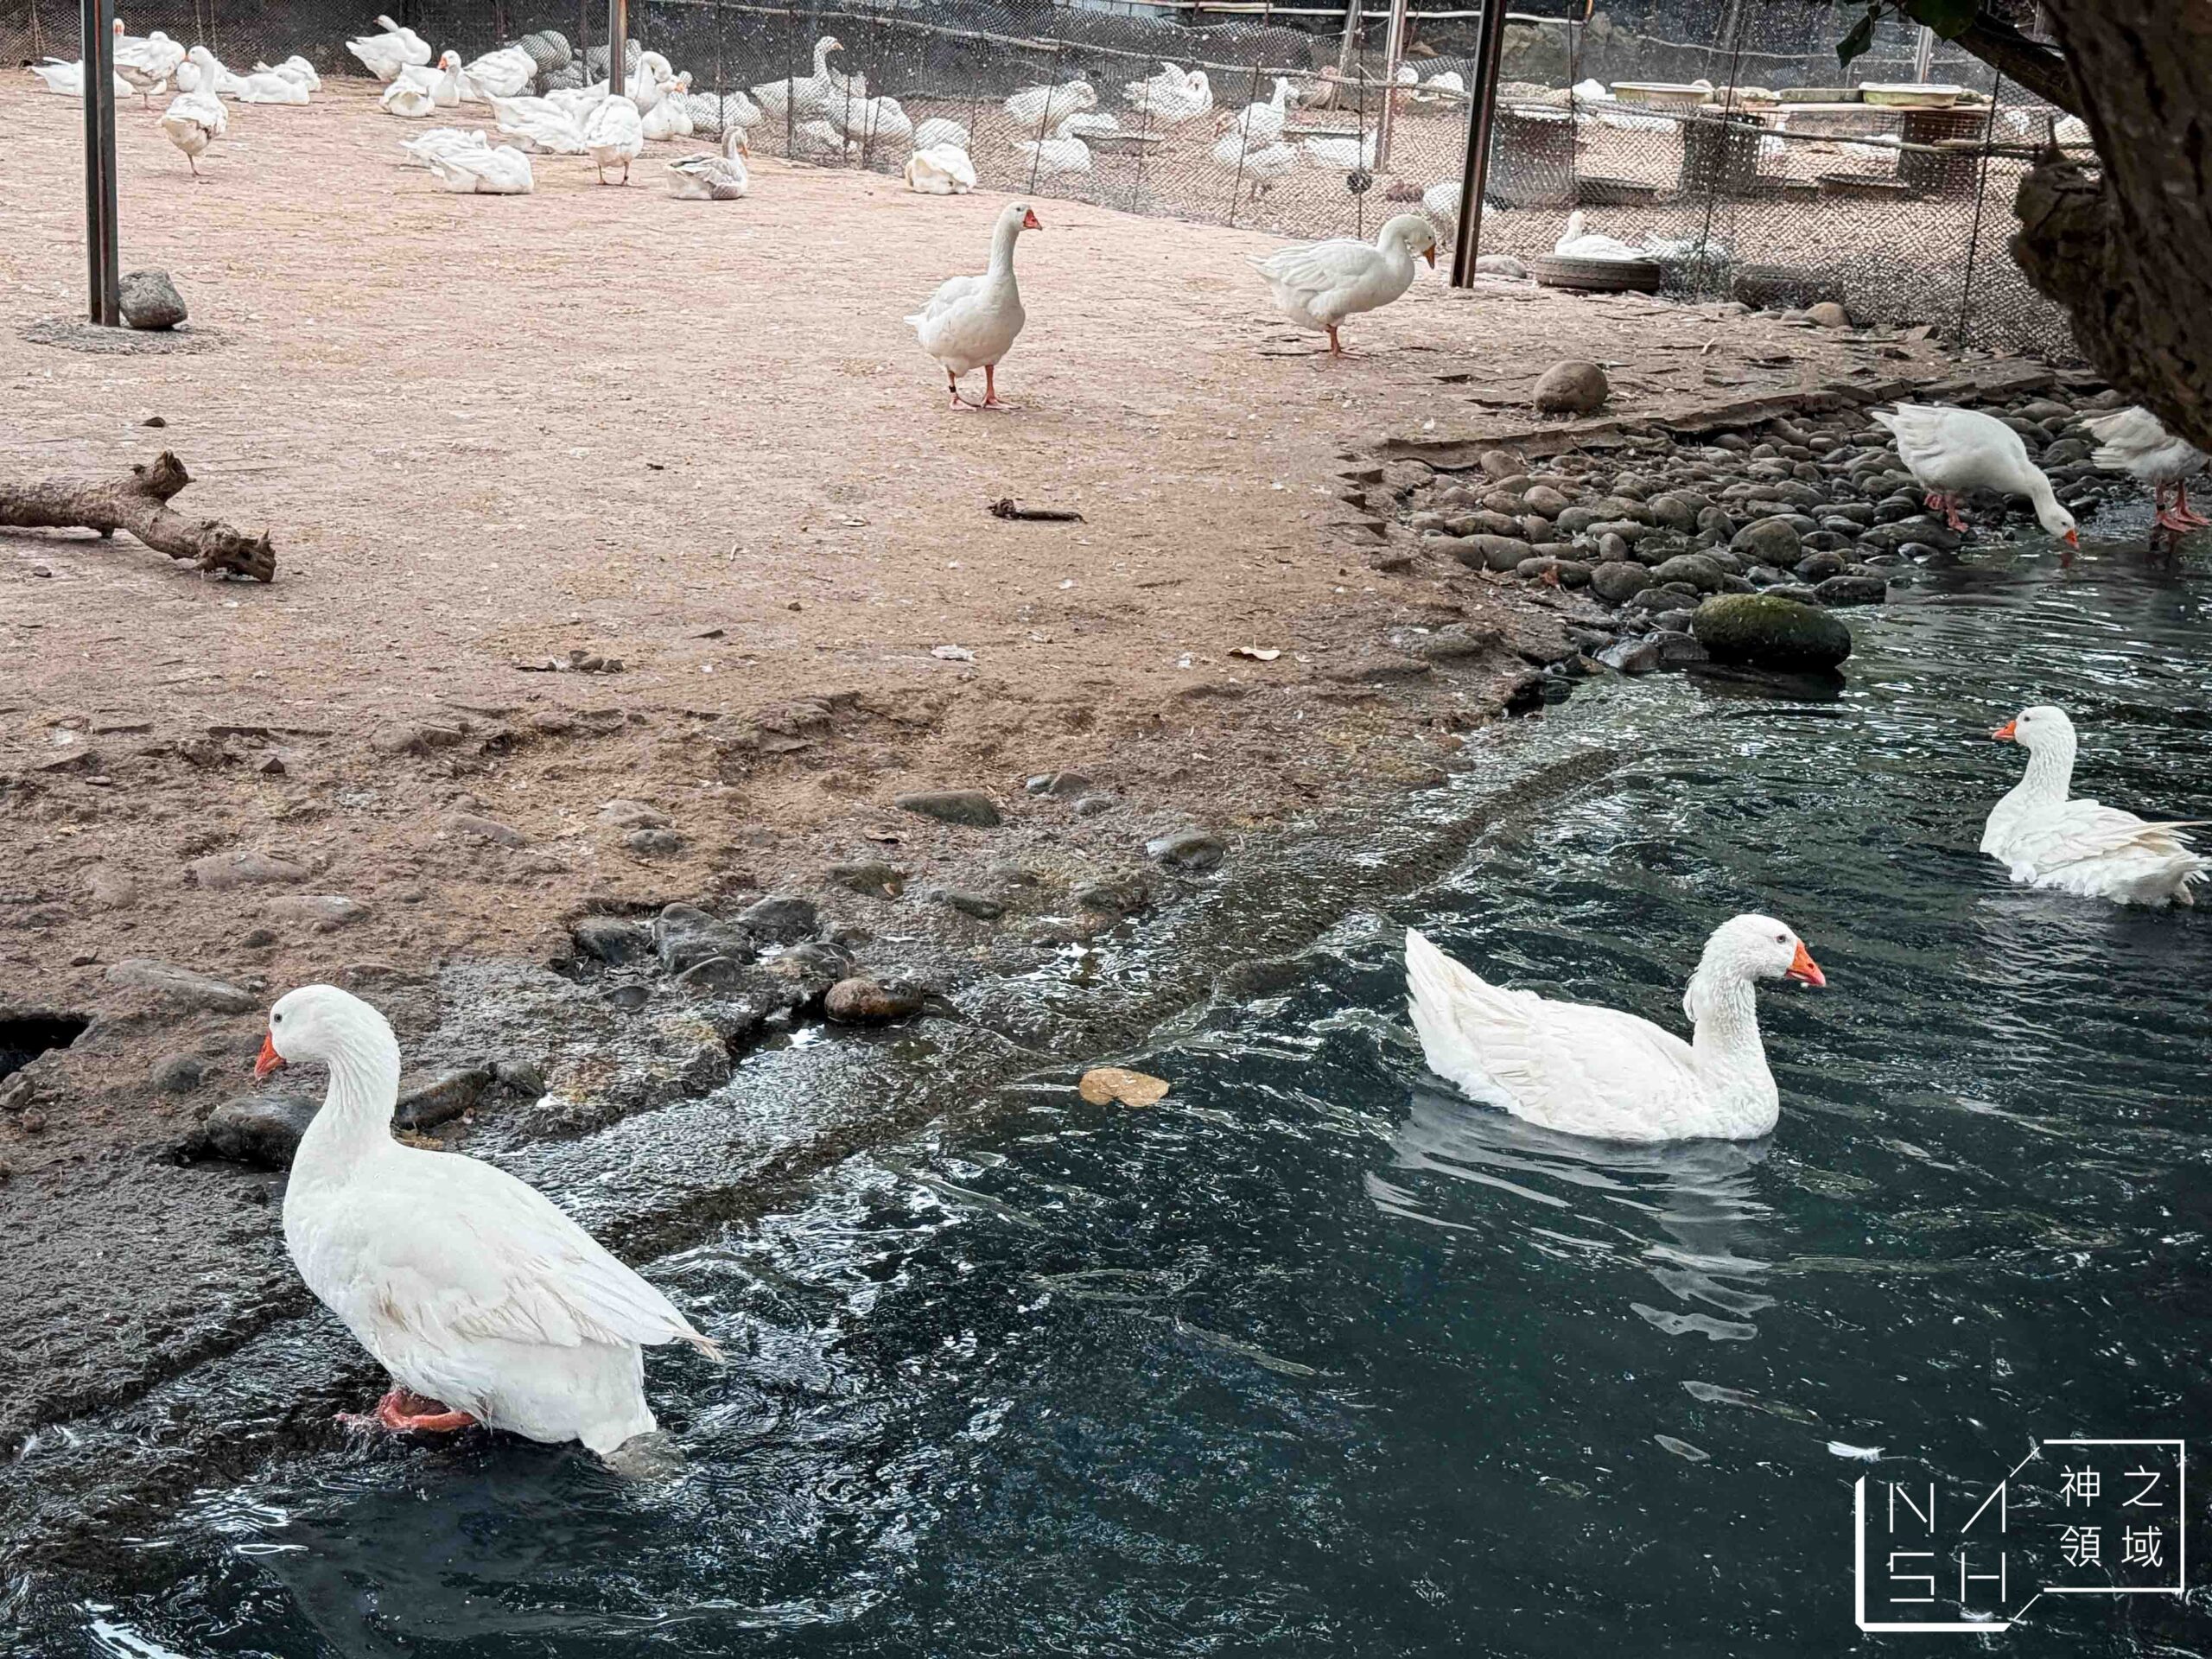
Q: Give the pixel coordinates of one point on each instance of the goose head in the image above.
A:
(734, 144)
(2040, 727)
(1018, 217)
(1413, 232)
(1198, 86)
(1752, 947)
(320, 1025)
(2055, 519)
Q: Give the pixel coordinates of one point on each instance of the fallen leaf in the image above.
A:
(1106, 1085)
(1257, 653)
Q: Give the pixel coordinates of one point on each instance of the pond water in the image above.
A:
(1318, 1358)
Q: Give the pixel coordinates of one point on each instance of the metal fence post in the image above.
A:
(102, 253)
(1394, 46)
(1482, 115)
(617, 45)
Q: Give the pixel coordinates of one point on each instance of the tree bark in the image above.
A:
(2027, 62)
(2129, 253)
(138, 504)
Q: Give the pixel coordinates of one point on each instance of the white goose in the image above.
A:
(1578, 241)
(2135, 441)
(1343, 155)
(484, 1302)
(817, 140)
(1042, 107)
(971, 322)
(67, 79)
(712, 178)
(483, 171)
(940, 170)
(670, 115)
(937, 131)
(442, 141)
(801, 94)
(1172, 95)
(1610, 1075)
(385, 55)
(214, 76)
(1086, 124)
(2076, 846)
(543, 124)
(1950, 451)
(268, 86)
(1261, 165)
(193, 121)
(612, 131)
(1263, 123)
(148, 63)
(1062, 155)
(877, 123)
(419, 90)
(293, 68)
(506, 72)
(1318, 287)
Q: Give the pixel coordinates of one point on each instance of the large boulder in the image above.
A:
(1617, 581)
(1761, 630)
(1571, 388)
(149, 300)
(1693, 570)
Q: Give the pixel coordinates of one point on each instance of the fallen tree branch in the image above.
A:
(139, 503)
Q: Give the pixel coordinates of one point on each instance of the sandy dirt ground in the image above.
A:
(485, 432)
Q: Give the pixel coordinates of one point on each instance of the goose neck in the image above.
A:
(355, 1122)
(1724, 1013)
(2050, 776)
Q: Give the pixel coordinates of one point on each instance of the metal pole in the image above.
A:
(1923, 56)
(1351, 39)
(1482, 115)
(1394, 46)
(102, 254)
(617, 44)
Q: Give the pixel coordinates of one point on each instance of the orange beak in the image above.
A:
(1430, 254)
(1029, 221)
(1802, 966)
(2073, 538)
(270, 1060)
(2004, 734)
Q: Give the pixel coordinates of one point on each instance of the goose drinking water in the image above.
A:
(1951, 451)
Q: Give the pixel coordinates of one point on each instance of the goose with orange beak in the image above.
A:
(1319, 286)
(1582, 1070)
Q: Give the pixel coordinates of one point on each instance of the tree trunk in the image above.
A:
(138, 504)
(2130, 255)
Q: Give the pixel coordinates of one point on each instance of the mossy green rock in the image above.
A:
(1765, 631)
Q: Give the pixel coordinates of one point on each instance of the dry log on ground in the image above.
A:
(139, 503)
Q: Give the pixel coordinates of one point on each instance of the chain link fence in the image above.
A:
(1172, 108)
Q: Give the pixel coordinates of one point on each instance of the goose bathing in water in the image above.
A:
(1951, 451)
(1598, 1072)
(484, 1302)
(971, 322)
(2077, 846)
(1318, 287)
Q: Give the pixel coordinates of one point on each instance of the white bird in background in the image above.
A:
(67, 79)
(1263, 123)
(1171, 104)
(543, 123)
(1448, 83)
(971, 322)
(1088, 124)
(875, 122)
(2077, 846)
(385, 55)
(1581, 1070)
(937, 131)
(654, 79)
(712, 178)
(481, 1299)
(1342, 155)
(441, 80)
(1264, 165)
(802, 94)
(506, 72)
(1171, 82)
(817, 140)
(442, 141)
(670, 117)
(149, 63)
(293, 68)
(501, 172)
(213, 77)
(1950, 451)
(717, 117)
(1440, 200)
(193, 121)
(1058, 156)
(267, 86)
(940, 170)
(1041, 107)
(1318, 287)
(1579, 243)
(614, 131)
(2135, 441)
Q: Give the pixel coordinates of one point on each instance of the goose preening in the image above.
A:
(612, 131)
(712, 178)
(1173, 95)
(2135, 441)
(193, 121)
(482, 171)
(2076, 846)
(506, 72)
(442, 141)
(1319, 286)
(817, 140)
(1951, 451)
(940, 170)
(1262, 165)
(1044, 107)
(654, 78)
(543, 123)
(1595, 1072)
(670, 115)
(481, 1299)
(419, 89)
(971, 322)
(385, 55)
(937, 131)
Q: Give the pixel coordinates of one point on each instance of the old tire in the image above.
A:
(1597, 275)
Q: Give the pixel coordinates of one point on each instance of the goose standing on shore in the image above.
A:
(1318, 287)
(1600, 1072)
(2135, 441)
(971, 322)
(1950, 451)
(2077, 846)
(481, 1299)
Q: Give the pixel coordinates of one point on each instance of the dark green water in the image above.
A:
(1317, 1357)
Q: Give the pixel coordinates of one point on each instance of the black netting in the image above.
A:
(1904, 212)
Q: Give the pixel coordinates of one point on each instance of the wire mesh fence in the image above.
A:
(1717, 134)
